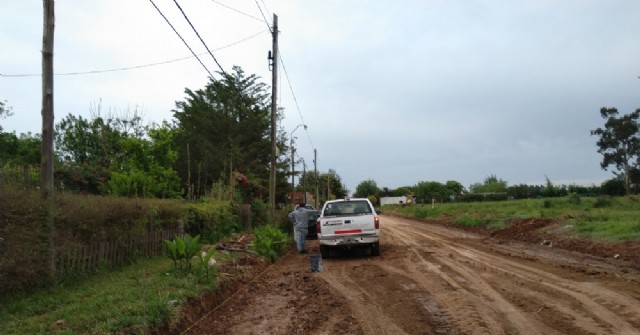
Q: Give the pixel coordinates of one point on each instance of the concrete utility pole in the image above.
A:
(274, 111)
(46, 160)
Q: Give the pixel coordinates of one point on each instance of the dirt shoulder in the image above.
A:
(433, 279)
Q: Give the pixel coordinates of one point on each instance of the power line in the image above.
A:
(183, 41)
(201, 40)
(263, 17)
(294, 97)
(235, 10)
(135, 66)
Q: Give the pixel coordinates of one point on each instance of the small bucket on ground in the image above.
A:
(316, 264)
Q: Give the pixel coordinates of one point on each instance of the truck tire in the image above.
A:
(375, 249)
(325, 251)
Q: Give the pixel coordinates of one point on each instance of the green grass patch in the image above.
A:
(605, 218)
(136, 298)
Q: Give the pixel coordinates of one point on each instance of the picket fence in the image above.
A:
(86, 258)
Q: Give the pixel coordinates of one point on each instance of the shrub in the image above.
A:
(574, 198)
(270, 242)
(212, 220)
(602, 201)
(421, 213)
(182, 250)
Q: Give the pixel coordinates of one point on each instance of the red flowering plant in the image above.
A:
(248, 189)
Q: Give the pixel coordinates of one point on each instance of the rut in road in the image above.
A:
(432, 280)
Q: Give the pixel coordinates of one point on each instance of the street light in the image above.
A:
(293, 176)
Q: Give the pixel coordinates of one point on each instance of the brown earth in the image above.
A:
(433, 278)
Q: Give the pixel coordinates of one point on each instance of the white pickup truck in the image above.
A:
(348, 222)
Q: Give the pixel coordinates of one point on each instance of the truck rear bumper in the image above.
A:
(348, 240)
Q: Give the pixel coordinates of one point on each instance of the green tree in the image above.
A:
(331, 186)
(455, 188)
(5, 111)
(146, 167)
(491, 184)
(21, 150)
(619, 142)
(224, 127)
(403, 190)
(428, 190)
(367, 188)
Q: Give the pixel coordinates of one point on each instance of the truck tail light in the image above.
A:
(376, 222)
(318, 229)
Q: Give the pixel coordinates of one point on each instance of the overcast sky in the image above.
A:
(397, 91)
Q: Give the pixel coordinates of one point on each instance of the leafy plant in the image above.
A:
(172, 251)
(270, 242)
(205, 258)
(182, 250)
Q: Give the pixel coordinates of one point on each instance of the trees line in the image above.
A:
(618, 142)
(216, 132)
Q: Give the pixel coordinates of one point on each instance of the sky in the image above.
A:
(394, 91)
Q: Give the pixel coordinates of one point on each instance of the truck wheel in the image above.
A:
(324, 251)
(375, 249)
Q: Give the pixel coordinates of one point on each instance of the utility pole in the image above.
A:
(46, 159)
(315, 173)
(274, 111)
(293, 173)
(304, 180)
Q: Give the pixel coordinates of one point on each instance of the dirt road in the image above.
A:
(432, 279)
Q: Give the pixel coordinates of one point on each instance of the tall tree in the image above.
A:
(619, 142)
(226, 128)
(367, 188)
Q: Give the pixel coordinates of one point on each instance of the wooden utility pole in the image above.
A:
(46, 165)
(317, 178)
(274, 113)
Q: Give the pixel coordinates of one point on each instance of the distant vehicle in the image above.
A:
(347, 223)
(311, 225)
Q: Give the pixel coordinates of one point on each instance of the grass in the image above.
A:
(604, 218)
(135, 298)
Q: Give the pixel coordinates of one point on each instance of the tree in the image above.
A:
(425, 191)
(331, 186)
(5, 111)
(224, 127)
(619, 142)
(367, 188)
(491, 184)
(455, 188)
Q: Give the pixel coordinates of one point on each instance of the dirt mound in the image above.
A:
(554, 234)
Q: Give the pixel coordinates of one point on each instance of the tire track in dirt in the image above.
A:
(528, 299)
(432, 279)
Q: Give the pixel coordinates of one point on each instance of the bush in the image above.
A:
(421, 213)
(602, 201)
(270, 242)
(574, 198)
(211, 219)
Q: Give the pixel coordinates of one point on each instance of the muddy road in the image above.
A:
(432, 279)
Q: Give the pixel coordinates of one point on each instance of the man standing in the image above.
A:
(300, 219)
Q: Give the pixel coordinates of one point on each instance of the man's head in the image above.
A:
(301, 205)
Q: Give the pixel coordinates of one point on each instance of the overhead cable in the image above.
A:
(201, 40)
(263, 17)
(294, 97)
(183, 41)
(135, 66)
(235, 10)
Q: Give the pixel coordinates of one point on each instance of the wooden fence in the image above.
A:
(85, 258)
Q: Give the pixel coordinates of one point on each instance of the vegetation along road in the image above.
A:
(435, 279)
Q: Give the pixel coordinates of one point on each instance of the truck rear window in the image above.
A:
(347, 208)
